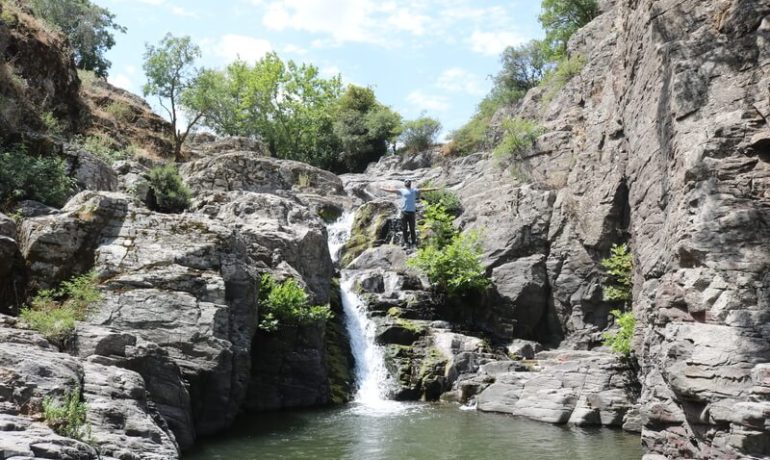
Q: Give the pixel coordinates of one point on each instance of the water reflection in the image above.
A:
(415, 432)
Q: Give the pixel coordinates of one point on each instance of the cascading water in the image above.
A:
(371, 376)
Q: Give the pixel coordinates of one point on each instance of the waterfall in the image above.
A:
(371, 376)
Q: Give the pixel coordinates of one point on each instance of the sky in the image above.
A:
(420, 56)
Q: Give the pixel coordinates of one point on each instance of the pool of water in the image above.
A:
(396, 431)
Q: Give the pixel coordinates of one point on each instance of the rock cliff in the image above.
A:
(661, 141)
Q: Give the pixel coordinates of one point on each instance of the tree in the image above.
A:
(179, 86)
(364, 127)
(289, 106)
(89, 28)
(562, 18)
(420, 134)
(523, 67)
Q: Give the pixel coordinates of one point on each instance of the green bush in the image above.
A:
(455, 268)
(620, 340)
(287, 303)
(169, 193)
(101, 146)
(420, 134)
(446, 198)
(436, 226)
(52, 124)
(27, 177)
(619, 266)
(562, 18)
(120, 111)
(53, 313)
(519, 134)
(68, 419)
(566, 69)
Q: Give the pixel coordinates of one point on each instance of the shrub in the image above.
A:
(287, 303)
(456, 268)
(420, 134)
(566, 69)
(446, 198)
(101, 146)
(620, 340)
(27, 177)
(87, 77)
(436, 225)
(519, 134)
(52, 124)
(619, 266)
(562, 18)
(53, 313)
(68, 419)
(120, 111)
(169, 193)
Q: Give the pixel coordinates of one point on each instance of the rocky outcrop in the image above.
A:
(172, 352)
(37, 75)
(579, 388)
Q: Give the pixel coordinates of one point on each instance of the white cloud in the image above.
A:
(294, 49)
(406, 20)
(459, 80)
(493, 43)
(330, 71)
(343, 20)
(121, 81)
(183, 12)
(232, 47)
(152, 2)
(423, 101)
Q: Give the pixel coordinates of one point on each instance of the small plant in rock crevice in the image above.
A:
(619, 267)
(287, 303)
(519, 134)
(169, 193)
(620, 340)
(67, 419)
(54, 313)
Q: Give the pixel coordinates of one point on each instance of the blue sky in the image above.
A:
(432, 56)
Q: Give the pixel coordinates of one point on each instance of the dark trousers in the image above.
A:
(407, 225)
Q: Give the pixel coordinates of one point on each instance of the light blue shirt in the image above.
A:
(409, 195)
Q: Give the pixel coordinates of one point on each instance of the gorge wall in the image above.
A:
(662, 141)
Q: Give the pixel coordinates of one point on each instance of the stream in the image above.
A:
(375, 428)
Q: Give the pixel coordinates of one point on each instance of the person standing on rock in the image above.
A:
(409, 197)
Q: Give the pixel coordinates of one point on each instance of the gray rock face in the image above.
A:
(12, 279)
(588, 389)
(90, 172)
(173, 340)
(121, 420)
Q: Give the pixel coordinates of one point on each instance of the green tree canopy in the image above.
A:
(523, 67)
(289, 106)
(364, 127)
(90, 29)
(561, 19)
(420, 134)
(179, 86)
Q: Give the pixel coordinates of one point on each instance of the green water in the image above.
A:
(411, 432)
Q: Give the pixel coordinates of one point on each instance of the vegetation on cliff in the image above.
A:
(30, 177)
(537, 63)
(90, 29)
(285, 303)
(451, 259)
(53, 312)
(168, 192)
(67, 419)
